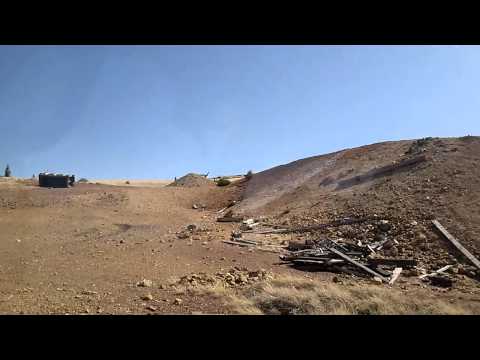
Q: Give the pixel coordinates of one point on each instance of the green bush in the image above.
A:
(223, 182)
(249, 174)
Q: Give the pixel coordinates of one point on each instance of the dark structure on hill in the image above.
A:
(56, 180)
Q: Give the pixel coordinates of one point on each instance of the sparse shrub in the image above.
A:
(223, 182)
(249, 174)
(127, 182)
(83, 180)
(8, 172)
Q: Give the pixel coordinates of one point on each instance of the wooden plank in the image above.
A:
(356, 263)
(236, 243)
(230, 219)
(395, 275)
(456, 243)
(439, 271)
(406, 263)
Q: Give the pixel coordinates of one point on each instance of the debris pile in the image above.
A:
(381, 247)
(192, 180)
(234, 277)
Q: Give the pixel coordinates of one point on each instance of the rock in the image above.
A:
(441, 281)
(196, 313)
(145, 283)
(182, 236)
(151, 308)
(335, 279)
(147, 297)
(421, 237)
(388, 245)
(88, 292)
(424, 246)
(162, 287)
(380, 237)
(177, 301)
(194, 206)
(192, 227)
(384, 226)
(413, 223)
(411, 272)
(236, 234)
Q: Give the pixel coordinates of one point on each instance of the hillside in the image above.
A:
(89, 248)
(446, 186)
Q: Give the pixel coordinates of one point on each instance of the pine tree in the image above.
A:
(8, 172)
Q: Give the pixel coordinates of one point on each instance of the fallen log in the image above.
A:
(356, 263)
(456, 243)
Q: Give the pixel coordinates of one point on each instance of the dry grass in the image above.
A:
(296, 295)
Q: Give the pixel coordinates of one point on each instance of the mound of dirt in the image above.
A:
(192, 180)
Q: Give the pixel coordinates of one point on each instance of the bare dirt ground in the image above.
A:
(84, 250)
(131, 182)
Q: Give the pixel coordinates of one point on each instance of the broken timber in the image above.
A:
(456, 243)
(230, 219)
(356, 263)
(237, 243)
(395, 275)
(439, 271)
(406, 263)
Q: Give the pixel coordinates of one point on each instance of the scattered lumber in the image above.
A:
(439, 271)
(356, 263)
(347, 221)
(456, 243)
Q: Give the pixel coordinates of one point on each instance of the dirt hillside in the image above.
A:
(446, 185)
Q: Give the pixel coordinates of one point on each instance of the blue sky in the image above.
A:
(162, 111)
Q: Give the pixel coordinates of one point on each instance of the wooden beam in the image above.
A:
(230, 219)
(237, 243)
(456, 243)
(356, 263)
(395, 275)
(439, 271)
(404, 263)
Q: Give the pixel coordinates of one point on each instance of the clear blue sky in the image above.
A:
(162, 111)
